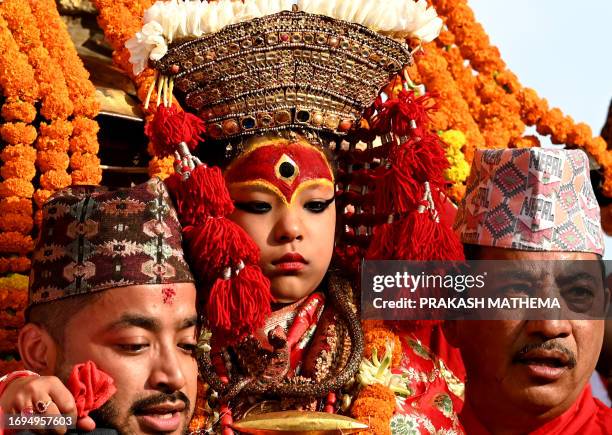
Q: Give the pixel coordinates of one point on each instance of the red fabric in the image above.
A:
(90, 386)
(587, 416)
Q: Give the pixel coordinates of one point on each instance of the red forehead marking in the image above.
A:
(285, 167)
(168, 294)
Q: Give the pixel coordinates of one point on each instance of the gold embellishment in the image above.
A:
(285, 70)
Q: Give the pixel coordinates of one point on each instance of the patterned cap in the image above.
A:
(533, 199)
(94, 239)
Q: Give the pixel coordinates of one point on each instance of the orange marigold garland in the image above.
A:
(57, 41)
(374, 406)
(84, 162)
(55, 101)
(85, 165)
(21, 92)
(120, 21)
(485, 58)
(435, 74)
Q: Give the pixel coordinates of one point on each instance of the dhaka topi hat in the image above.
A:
(535, 199)
(93, 239)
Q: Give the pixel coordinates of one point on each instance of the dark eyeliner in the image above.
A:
(322, 205)
(255, 207)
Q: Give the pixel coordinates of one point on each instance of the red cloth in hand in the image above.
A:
(90, 386)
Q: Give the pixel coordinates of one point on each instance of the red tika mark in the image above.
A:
(168, 293)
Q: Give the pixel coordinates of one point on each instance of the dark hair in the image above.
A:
(53, 316)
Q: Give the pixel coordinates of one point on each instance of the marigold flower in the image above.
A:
(18, 168)
(161, 168)
(18, 133)
(88, 175)
(58, 129)
(84, 126)
(579, 134)
(14, 204)
(56, 40)
(525, 142)
(14, 264)
(55, 180)
(16, 222)
(48, 160)
(84, 143)
(82, 160)
(41, 196)
(13, 152)
(15, 110)
(12, 242)
(377, 338)
(372, 407)
(45, 143)
(16, 187)
(53, 91)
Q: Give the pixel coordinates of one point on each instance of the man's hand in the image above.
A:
(23, 394)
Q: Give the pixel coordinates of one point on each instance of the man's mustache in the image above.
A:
(141, 405)
(547, 345)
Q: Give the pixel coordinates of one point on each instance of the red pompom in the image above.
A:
(396, 114)
(239, 305)
(215, 244)
(171, 126)
(203, 195)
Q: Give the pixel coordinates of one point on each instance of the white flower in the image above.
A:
(250, 11)
(379, 372)
(427, 24)
(147, 44)
(346, 10)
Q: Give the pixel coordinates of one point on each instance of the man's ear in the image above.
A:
(38, 350)
(451, 332)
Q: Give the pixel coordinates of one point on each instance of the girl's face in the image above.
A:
(284, 198)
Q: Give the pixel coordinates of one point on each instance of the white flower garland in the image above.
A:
(166, 21)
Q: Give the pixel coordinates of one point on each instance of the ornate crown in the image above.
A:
(286, 70)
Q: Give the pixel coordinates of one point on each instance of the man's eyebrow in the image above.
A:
(187, 323)
(571, 277)
(514, 273)
(135, 320)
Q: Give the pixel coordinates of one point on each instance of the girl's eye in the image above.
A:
(132, 348)
(256, 207)
(318, 206)
(188, 347)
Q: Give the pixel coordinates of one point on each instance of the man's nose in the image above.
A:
(549, 329)
(167, 374)
(288, 227)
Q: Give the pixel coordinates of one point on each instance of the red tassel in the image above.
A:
(382, 244)
(396, 114)
(202, 195)
(171, 126)
(216, 244)
(239, 305)
(417, 160)
(419, 237)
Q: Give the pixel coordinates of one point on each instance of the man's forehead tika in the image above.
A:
(282, 168)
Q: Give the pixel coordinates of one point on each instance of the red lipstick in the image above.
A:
(291, 262)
